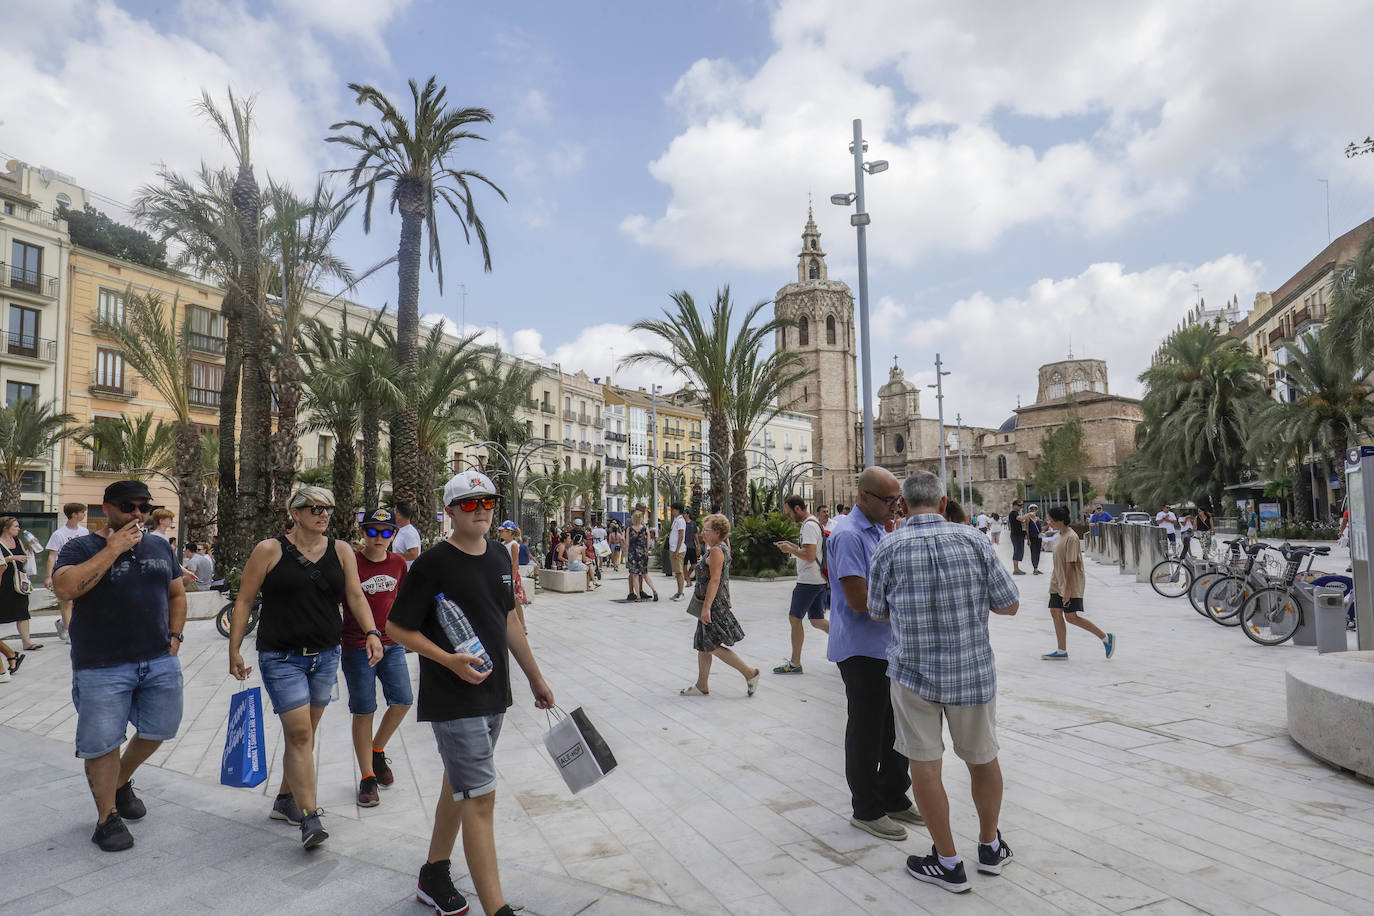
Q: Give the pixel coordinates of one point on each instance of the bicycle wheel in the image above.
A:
(222, 619)
(1197, 590)
(1223, 600)
(1170, 578)
(1270, 616)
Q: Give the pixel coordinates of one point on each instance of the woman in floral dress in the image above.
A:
(637, 561)
(717, 628)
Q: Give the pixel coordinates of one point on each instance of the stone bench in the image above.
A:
(1331, 706)
(560, 580)
(204, 605)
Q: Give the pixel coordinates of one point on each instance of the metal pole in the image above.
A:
(959, 453)
(940, 399)
(859, 210)
(653, 454)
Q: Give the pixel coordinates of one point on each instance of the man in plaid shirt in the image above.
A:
(937, 581)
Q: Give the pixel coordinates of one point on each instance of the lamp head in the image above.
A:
(876, 166)
(842, 200)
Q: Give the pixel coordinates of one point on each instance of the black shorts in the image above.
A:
(1074, 606)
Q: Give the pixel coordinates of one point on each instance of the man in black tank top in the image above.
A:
(1017, 529)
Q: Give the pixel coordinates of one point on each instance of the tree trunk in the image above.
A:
(344, 520)
(254, 494)
(739, 483)
(285, 445)
(233, 548)
(372, 433)
(409, 480)
(9, 494)
(190, 483)
(720, 446)
(1302, 491)
(424, 502)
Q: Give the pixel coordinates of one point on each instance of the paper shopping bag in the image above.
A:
(244, 764)
(578, 750)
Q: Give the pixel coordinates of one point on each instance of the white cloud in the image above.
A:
(533, 107)
(1142, 101)
(994, 347)
(361, 21)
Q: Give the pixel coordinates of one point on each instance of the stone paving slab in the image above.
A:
(1160, 781)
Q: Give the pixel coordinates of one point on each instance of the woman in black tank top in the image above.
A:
(303, 578)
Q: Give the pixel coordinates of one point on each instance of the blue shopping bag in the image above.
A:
(245, 754)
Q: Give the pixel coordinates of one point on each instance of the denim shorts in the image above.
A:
(467, 748)
(293, 680)
(362, 679)
(147, 694)
(808, 601)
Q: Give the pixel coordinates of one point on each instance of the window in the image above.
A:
(784, 338)
(806, 395)
(803, 332)
(110, 307)
(324, 449)
(206, 379)
(207, 330)
(23, 338)
(109, 370)
(26, 267)
(830, 329)
(33, 481)
(15, 391)
(814, 271)
(900, 443)
(1079, 383)
(1056, 386)
(1001, 467)
(546, 430)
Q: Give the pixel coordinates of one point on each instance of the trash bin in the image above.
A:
(1329, 611)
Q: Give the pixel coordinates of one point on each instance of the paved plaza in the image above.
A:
(1162, 781)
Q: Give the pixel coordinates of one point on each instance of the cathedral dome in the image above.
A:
(1008, 425)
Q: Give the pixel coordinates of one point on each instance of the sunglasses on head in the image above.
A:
(317, 510)
(472, 503)
(130, 507)
(379, 532)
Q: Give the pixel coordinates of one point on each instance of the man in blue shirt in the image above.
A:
(877, 774)
(937, 583)
(1099, 516)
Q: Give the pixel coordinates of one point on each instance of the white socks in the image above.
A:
(949, 861)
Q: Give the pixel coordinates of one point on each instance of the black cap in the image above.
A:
(381, 518)
(122, 491)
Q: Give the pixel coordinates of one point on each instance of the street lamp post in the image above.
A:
(939, 386)
(860, 219)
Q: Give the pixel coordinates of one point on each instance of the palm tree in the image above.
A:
(28, 430)
(637, 487)
(370, 368)
(501, 389)
(124, 444)
(335, 407)
(157, 345)
(1352, 305)
(414, 157)
(707, 355)
(757, 390)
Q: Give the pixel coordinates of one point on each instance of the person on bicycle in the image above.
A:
(1067, 583)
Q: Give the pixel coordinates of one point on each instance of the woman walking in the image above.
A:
(1185, 535)
(995, 528)
(1204, 526)
(14, 584)
(615, 538)
(717, 628)
(637, 562)
(303, 577)
(1034, 535)
(510, 537)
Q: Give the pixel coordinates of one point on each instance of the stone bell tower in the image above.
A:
(822, 335)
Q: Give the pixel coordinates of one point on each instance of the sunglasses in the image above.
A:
(127, 508)
(317, 510)
(379, 532)
(471, 504)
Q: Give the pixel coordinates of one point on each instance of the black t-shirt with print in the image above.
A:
(481, 586)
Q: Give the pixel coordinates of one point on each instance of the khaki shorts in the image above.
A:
(919, 732)
(676, 560)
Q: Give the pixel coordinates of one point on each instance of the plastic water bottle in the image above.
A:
(459, 631)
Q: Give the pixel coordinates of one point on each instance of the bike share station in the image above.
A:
(1331, 695)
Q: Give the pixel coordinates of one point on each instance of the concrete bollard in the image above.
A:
(1329, 611)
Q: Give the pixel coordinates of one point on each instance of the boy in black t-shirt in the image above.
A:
(465, 707)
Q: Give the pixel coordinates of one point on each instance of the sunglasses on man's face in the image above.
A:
(472, 504)
(129, 508)
(317, 510)
(379, 532)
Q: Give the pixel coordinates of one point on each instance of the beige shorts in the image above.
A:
(676, 560)
(920, 735)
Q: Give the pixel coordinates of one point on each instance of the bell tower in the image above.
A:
(821, 333)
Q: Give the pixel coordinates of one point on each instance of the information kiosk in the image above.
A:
(1359, 465)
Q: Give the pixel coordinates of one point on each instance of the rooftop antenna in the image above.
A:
(1070, 346)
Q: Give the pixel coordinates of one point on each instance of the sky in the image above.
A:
(1063, 174)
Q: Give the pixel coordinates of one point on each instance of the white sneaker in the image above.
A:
(4, 676)
(62, 631)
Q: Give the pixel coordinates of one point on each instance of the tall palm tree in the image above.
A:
(29, 428)
(1352, 305)
(758, 387)
(706, 353)
(415, 158)
(157, 345)
(334, 407)
(124, 444)
(370, 369)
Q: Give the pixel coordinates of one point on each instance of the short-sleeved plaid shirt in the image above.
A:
(937, 582)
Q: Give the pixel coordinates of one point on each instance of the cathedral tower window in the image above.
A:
(806, 395)
(1079, 383)
(1001, 467)
(830, 333)
(814, 271)
(803, 332)
(1056, 386)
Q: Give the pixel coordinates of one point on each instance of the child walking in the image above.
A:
(1067, 583)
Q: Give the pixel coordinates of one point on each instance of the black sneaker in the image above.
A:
(312, 831)
(112, 835)
(129, 805)
(436, 889)
(989, 862)
(381, 768)
(286, 809)
(929, 870)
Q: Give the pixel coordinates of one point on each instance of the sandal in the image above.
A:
(753, 682)
(34, 647)
(15, 662)
(691, 691)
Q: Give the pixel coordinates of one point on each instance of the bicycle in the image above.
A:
(1221, 562)
(1224, 597)
(226, 613)
(1171, 578)
(1271, 615)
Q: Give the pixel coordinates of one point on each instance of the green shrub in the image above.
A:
(752, 544)
(769, 574)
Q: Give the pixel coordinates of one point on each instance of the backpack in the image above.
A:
(820, 547)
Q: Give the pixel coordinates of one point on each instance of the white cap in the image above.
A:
(468, 483)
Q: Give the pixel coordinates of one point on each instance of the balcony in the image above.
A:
(207, 343)
(532, 404)
(584, 446)
(570, 415)
(45, 218)
(584, 419)
(28, 281)
(106, 386)
(87, 463)
(615, 462)
(106, 326)
(203, 397)
(1278, 334)
(598, 422)
(26, 345)
(570, 444)
(696, 434)
(1303, 316)
(548, 409)
(617, 437)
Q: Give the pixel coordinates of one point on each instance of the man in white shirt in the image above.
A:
(982, 522)
(677, 547)
(407, 540)
(75, 528)
(1169, 522)
(808, 595)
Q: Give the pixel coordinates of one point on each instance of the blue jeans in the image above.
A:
(293, 679)
(362, 679)
(147, 694)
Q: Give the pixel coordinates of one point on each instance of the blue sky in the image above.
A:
(1058, 171)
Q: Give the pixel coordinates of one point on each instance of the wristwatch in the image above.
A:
(376, 633)
(179, 637)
